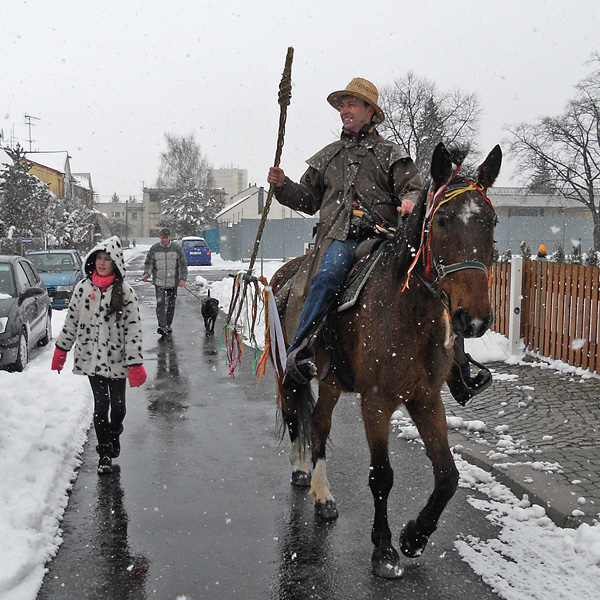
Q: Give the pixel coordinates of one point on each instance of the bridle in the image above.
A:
(446, 193)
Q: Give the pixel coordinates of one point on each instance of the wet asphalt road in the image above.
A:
(200, 505)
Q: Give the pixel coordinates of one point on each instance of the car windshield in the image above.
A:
(54, 262)
(7, 286)
(194, 243)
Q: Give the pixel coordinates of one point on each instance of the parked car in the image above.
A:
(61, 270)
(25, 311)
(196, 251)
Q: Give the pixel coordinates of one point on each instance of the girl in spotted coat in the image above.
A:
(103, 326)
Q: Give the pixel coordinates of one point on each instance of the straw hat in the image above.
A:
(363, 89)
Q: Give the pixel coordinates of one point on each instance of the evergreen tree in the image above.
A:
(525, 250)
(591, 259)
(74, 222)
(576, 258)
(28, 206)
(189, 209)
(558, 254)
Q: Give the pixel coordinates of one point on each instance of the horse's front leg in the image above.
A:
(430, 419)
(325, 506)
(385, 560)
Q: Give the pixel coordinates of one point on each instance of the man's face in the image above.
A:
(355, 113)
(165, 239)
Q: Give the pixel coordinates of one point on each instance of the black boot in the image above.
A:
(300, 367)
(460, 383)
(116, 442)
(105, 462)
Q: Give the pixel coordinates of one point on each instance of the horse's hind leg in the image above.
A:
(325, 506)
(385, 560)
(297, 454)
(430, 419)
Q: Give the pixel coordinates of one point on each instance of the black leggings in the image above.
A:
(108, 394)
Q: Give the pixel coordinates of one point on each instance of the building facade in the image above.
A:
(233, 181)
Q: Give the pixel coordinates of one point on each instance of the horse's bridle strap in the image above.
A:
(442, 270)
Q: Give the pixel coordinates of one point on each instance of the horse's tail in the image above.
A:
(305, 404)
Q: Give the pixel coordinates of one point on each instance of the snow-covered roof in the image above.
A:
(239, 200)
(52, 160)
(83, 180)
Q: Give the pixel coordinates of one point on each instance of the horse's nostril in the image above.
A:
(465, 326)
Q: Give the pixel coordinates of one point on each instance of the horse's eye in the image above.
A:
(442, 221)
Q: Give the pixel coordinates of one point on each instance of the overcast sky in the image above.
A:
(106, 79)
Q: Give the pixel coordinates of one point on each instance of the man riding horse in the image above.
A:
(361, 185)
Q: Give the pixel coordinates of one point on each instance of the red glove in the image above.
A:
(59, 359)
(137, 375)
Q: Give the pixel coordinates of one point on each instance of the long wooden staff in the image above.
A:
(285, 95)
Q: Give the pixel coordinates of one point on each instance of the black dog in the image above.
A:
(210, 312)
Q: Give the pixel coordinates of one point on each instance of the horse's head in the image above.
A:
(458, 239)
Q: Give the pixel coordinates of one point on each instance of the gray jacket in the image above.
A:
(102, 345)
(166, 264)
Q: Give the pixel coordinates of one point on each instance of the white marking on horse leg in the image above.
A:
(298, 457)
(319, 487)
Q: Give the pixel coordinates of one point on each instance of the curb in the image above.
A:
(542, 488)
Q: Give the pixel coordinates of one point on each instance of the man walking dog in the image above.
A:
(167, 265)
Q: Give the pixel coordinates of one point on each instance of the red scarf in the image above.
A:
(102, 282)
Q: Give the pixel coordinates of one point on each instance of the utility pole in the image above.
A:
(29, 124)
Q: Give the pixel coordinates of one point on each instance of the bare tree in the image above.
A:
(192, 204)
(562, 154)
(419, 115)
(183, 164)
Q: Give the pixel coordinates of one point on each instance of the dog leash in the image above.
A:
(185, 287)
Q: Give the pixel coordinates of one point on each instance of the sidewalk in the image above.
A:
(537, 430)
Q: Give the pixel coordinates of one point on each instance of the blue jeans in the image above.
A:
(326, 285)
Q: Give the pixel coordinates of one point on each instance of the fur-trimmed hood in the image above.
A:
(113, 247)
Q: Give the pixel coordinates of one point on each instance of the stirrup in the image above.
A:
(464, 388)
(298, 371)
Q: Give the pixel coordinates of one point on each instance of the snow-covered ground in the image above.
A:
(44, 418)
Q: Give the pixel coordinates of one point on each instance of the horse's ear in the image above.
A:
(441, 165)
(488, 170)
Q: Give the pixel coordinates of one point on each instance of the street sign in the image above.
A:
(26, 240)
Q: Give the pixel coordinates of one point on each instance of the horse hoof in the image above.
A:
(413, 540)
(326, 510)
(387, 564)
(301, 479)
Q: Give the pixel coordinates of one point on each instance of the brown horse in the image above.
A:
(394, 346)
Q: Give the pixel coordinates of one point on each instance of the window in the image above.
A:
(134, 216)
(22, 277)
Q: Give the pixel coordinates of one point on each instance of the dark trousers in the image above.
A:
(109, 406)
(165, 305)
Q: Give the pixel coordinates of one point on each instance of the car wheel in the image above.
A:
(23, 355)
(48, 331)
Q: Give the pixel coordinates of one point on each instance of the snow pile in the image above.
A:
(532, 557)
(43, 426)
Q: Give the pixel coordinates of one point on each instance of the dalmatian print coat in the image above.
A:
(102, 345)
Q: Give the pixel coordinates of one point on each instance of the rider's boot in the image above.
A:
(460, 383)
(300, 366)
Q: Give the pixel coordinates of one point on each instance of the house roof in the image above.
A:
(244, 195)
(83, 180)
(52, 160)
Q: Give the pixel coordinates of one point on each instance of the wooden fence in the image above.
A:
(559, 310)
